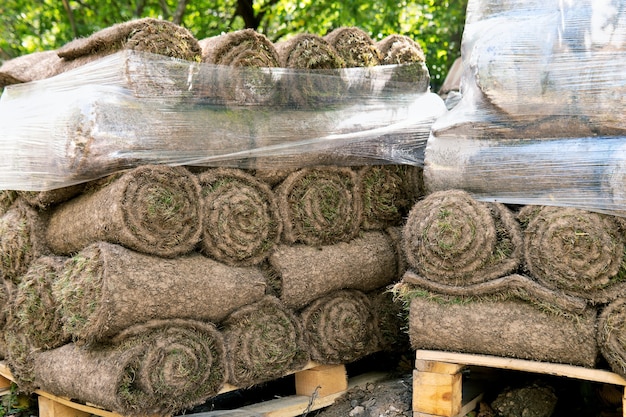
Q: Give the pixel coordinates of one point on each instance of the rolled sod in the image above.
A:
(389, 192)
(340, 327)
(307, 272)
(7, 197)
(408, 55)
(22, 239)
(30, 67)
(241, 223)
(155, 209)
(320, 205)
(33, 318)
(354, 46)
(161, 367)
(506, 327)
(151, 35)
(264, 341)
(321, 82)
(240, 48)
(7, 295)
(576, 251)
(611, 335)
(453, 239)
(247, 53)
(106, 288)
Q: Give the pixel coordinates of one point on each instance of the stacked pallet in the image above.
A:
(147, 290)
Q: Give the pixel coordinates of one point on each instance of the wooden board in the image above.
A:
(556, 369)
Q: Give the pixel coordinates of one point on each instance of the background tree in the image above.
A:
(33, 25)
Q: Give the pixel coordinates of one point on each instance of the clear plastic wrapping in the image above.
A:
(542, 118)
(133, 108)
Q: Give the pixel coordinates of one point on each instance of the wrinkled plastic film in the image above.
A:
(586, 173)
(147, 109)
(527, 61)
(542, 118)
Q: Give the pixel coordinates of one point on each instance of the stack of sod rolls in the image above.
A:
(146, 290)
(541, 283)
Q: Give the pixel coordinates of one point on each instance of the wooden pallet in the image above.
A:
(316, 386)
(438, 389)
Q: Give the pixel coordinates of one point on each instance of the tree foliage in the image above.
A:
(33, 25)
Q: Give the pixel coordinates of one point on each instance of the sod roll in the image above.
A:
(409, 57)
(451, 238)
(507, 328)
(575, 251)
(354, 46)
(340, 327)
(612, 335)
(7, 197)
(264, 341)
(388, 193)
(241, 223)
(307, 272)
(151, 35)
(320, 206)
(321, 82)
(248, 53)
(107, 288)
(33, 318)
(155, 209)
(22, 240)
(157, 368)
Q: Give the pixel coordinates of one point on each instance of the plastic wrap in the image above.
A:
(542, 118)
(132, 108)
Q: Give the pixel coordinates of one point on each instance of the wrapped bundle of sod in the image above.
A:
(160, 367)
(320, 83)
(575, 251)
(502, 326)
(248, 54)
(611, 332)
(388, 192)
(151, 209)
(304, 273)
(340, 327)
(22, 239)
(450, 238)
(107, 288)
(320, 205)
(264, 341)
(412, 71)
(34, 319)
(241, 223)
